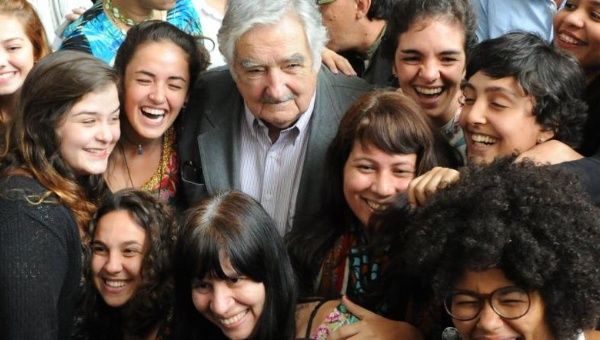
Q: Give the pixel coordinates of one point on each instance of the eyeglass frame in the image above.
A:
(324, 2)
(485, 298)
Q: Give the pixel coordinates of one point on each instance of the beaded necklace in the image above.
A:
(116, 14)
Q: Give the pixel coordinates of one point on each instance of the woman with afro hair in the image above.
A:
(510, 251)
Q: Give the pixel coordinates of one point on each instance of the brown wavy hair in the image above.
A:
(31, 147)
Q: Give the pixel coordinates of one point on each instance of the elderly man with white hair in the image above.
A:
(263, 125)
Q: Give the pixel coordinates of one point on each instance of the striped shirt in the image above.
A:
(270, 172)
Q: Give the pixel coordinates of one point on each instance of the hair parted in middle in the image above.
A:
(233, 226)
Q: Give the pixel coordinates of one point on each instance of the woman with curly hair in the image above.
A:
(128, 287)
(511, 251)
(66, 126)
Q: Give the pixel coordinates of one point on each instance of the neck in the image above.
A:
(133, 10)
(371, 36)
(132, 141)
(218, 5)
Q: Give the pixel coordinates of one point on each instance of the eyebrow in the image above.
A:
(80, 113)
(493, 89)
(152, 75)
(294, 58)
(447, 52)
(11, 39)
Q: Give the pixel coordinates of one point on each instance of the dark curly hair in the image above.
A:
(552, 77)
(152, 301)
(406, 12)
(531, 222)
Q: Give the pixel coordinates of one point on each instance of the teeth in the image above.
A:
(7, 75)
(483, 139)
(115, 283)
(569, 39)
(428, 91)
(154, 112)
(375, 206)
(233, 319)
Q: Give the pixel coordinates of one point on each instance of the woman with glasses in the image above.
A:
(508, 255)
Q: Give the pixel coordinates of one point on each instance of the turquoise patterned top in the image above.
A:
(96, 34)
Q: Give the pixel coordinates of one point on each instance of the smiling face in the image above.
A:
(234, 305)
(488, 324)
(430, 63)
(16, 55)
(372, 177)
(156, 85)
(89, 131)
(497, 119)
(577, 30)
(118, 249)
(274, 72)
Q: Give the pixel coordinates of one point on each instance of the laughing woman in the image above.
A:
(128, 286)
(22, 44)
(157, 63)
(66, 126)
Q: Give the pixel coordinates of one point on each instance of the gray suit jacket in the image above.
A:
(209, 135)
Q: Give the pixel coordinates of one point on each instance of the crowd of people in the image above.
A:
(300, 169)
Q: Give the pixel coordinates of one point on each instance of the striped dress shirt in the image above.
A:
(270, 172)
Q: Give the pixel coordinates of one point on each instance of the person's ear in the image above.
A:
(545, 135)
(362, 8)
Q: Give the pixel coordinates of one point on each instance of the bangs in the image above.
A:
(208, 250)
(390, 135)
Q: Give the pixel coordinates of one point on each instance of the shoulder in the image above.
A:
(341, 82)
(185, 17)
(19, 211)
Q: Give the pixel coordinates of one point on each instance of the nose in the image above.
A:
(222, 299)
(113, 264)
(276, 87)
(383, 184)
(574, 18)
(429, 71)
(105, 133)
(158, 94)
(474, 114)
(488, 319)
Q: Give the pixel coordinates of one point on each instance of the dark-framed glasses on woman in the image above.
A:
(508, 302)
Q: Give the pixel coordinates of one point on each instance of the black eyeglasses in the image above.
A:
(508, 302)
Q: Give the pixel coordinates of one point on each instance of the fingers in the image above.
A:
(345, 332)
(423, 187)
(355, 309)
(336, 63)
(344, 65)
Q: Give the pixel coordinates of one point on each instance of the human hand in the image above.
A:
(421, 189)
(550, 152)
(336, 62)
(373, 326)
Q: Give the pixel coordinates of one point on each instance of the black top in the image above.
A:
(40, 263)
